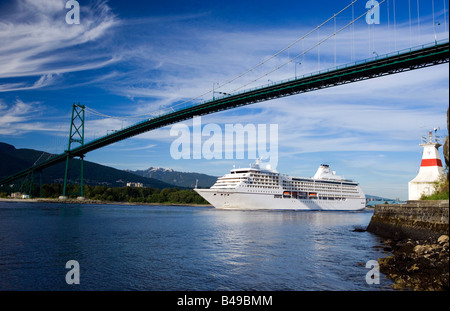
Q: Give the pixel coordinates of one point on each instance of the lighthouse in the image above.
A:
(430, 169)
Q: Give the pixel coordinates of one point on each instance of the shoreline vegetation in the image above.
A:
(116, 195)
(441, 188)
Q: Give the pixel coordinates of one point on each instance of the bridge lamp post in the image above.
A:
(435, 39)
(296, 69)
(214, 98)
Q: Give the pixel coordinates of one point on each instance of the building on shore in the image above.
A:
(19, 195)
(430, 169)
(135, 184)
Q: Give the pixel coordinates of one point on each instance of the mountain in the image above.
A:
(180, 179)
(13, 160)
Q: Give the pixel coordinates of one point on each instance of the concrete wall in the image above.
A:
(415, 219)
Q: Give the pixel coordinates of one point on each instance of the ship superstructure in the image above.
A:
(265, 188)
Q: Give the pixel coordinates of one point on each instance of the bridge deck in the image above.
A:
(389, 64)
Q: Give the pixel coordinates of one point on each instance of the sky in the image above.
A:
(133, 60)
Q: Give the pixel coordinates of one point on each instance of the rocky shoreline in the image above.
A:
(420, 265)
(417, 236)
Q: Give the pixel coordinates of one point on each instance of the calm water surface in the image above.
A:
(178, 248)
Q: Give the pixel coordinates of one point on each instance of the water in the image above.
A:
(180, 248)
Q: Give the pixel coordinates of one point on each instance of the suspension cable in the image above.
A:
(100, 114)
(320, 42)
(271, 57)
(94, 112)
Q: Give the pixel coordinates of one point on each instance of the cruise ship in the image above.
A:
(265, 188)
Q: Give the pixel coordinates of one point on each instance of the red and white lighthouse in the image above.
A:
(430, 169)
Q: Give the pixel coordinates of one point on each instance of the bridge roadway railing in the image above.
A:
(343, 66)
(408, 59)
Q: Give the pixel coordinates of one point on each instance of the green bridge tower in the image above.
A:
(76, 136)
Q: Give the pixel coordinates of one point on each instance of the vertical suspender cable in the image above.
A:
(373, 38)
(335, 40)
(432, 11)
(434, 23)
(352, 50)
(318, 49)
(368, 38)
(289, 57)
(389, 27)
(445, 18)
(303, 57)
(418, 20)
(409, 13)
(395, 27)
(370, 41)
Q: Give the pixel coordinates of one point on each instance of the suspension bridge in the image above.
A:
(408, 59)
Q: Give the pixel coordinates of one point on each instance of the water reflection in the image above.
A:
(307, 246)
(183, 248)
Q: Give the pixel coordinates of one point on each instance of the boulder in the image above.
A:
(420, 249)
(443, 239)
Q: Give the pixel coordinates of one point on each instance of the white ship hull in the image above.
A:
(251, 201)
(256, 188)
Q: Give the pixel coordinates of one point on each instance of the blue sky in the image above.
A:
(136, 58)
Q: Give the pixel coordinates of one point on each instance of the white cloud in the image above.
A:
(44, 80)
(37, 41)
(17, 119)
